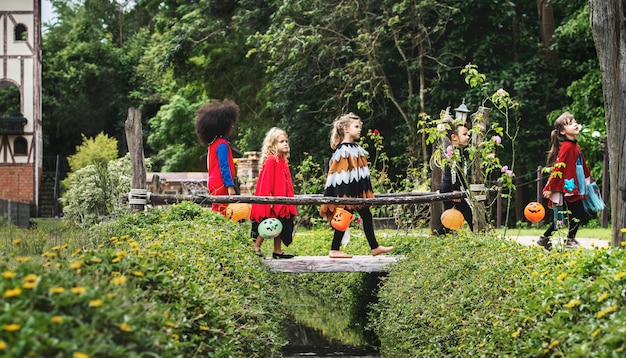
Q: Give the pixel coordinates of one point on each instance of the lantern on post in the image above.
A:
(462, 112)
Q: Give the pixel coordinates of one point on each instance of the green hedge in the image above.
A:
(179, 282)
(456, 296)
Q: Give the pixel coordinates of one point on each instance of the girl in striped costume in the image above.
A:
(349, 177)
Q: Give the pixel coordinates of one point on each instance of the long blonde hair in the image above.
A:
(556, 137)
(270, 143)
(337, 133)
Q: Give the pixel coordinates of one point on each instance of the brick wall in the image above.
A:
(16, 183)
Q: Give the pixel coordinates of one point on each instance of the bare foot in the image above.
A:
(381, 250)
(336, 254)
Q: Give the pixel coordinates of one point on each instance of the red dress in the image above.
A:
(274, 180)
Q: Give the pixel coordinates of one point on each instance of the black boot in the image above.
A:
(545, 242)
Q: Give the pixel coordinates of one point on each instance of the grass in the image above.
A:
(591, 233)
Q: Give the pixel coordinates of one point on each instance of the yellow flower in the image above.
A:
(13, 292)
(30, 278)
(79, 290)
(204, 328)
(57, 319)
(606, 311)
(619, 275)
(95, 303)
(603, 297)
(553, 344)
(516, 334)
(623, 229)
(2, 345)
(572, 303)
(77, 264)
(137, 273)
(95, 260)
(80, 355)
(8, 274)
(595, 333)
(562, 276)
(49, 254)
(11, 327)
(120, 280)
(125, 327)
(22, 259)
(29, 285)
(56, 248)
(17, 242)
(170, 324)
(56, 289)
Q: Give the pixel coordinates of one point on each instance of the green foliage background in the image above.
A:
(299, 64)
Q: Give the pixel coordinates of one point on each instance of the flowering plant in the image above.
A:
(487, 136)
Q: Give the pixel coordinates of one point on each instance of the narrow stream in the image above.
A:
(306, 341)
(321, 329)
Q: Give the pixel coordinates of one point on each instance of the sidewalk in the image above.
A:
(584, 242)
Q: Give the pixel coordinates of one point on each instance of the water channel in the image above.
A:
(323, 328)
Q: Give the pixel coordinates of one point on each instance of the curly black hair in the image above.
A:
(215, 119)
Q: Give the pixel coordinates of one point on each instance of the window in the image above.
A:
(20, 32)
(20, 146)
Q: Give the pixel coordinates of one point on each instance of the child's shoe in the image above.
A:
(571, 242)
(545, 242)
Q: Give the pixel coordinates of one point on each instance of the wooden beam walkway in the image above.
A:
(318, 264)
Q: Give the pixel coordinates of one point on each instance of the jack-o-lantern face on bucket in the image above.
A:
(534, 212)
(341, 220)
(452, 219)
(270, 228)
(237, 211)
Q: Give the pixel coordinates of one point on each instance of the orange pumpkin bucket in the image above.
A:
(341, 219)
(534, 212)
(238, 211)
(452, 219)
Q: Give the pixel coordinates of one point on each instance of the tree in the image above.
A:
(609, 35)
(89, 78)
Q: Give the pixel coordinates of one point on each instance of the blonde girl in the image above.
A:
(349, 177)
(274, 180)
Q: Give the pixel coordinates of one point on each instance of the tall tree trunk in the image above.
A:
(609, 35)
(546, 32)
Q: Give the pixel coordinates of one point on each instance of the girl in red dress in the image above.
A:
(214, 123)
(565, 188)
(274, 180)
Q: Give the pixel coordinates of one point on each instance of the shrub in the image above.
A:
(482, 296)
(175, 282)
(95, 191)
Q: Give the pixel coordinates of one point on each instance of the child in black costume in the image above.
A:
(456, 174)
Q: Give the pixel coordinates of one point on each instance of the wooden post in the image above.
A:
(436, 207)
(539, 186)
(499, 206)
(134, 138)
(477, 186)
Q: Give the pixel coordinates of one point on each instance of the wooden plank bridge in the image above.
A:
(316, 264)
